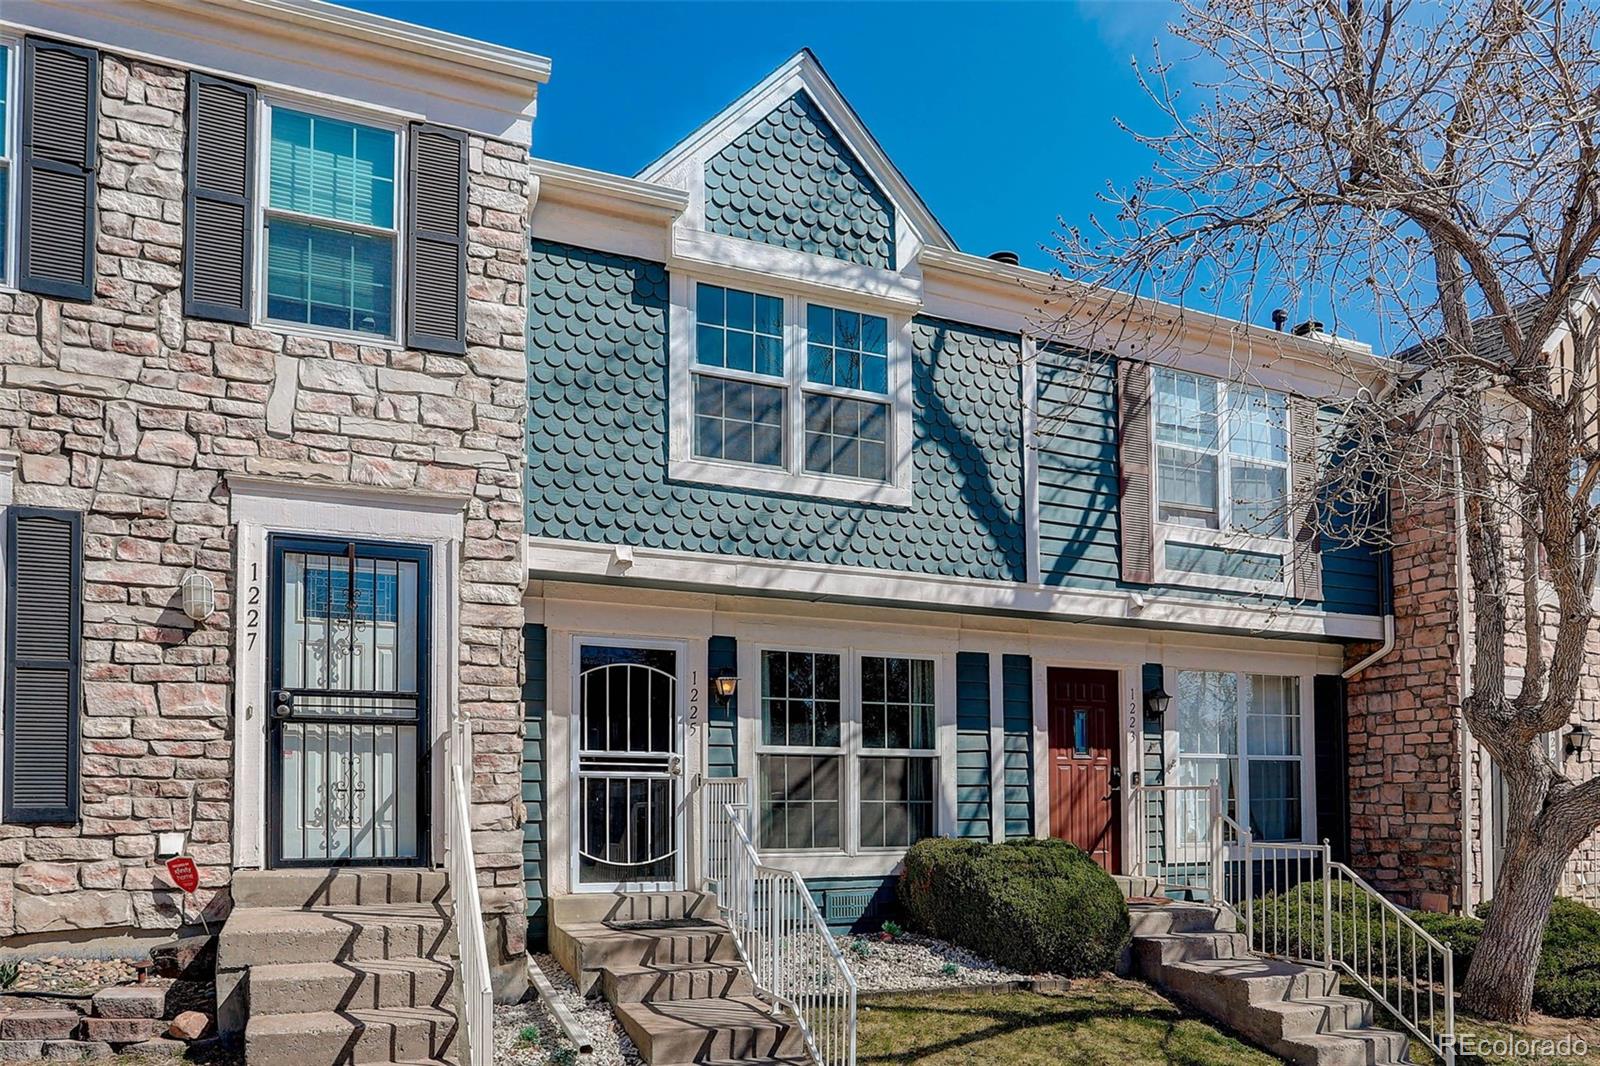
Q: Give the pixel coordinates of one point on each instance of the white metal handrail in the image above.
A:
(474, 993)
(1294, 902)
(790, 951)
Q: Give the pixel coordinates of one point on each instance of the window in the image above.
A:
(814, 768)
(1220, 716)
(897, 716)
(8, 111)
(801, 799)
(737, 419)
(1222, 455)
(788, 395)
(331, 224)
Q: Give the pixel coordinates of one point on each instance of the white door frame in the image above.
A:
(680, 650)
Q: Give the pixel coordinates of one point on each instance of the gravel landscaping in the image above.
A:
(71, 976)
(914, 962)
(611, 1045)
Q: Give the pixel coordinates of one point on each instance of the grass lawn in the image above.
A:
(1098, 1022)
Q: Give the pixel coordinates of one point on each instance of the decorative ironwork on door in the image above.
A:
(629, 771)
(348, 702)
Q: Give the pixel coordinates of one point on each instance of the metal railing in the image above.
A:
(1295, 903)
(474, 993)
(792, 955)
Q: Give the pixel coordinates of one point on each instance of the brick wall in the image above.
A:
(1405, 802)
(124, 410)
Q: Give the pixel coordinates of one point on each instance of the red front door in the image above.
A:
(1085, 769)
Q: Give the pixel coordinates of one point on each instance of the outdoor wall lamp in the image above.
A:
(1577, 739)
(725, 685)
(199, 596)
(1156, 702)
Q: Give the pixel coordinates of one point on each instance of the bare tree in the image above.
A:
(1435, 163)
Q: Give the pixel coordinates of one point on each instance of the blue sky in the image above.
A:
(1002, 115)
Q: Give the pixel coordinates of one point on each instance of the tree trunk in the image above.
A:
(1499, 985)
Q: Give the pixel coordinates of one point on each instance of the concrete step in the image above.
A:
(1152, 952)
(1295, 1018)
(345, 886)
(1235, 984)
(587, 908)
(259, 936)
(1157, 919)
(1137, 886)
(289, 988)
(339, 1038)
(675, 981)
(1358, 1047)
(586, 949)
(706, 1030)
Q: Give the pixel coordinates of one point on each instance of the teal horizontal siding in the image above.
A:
(1016, 676)
(853, 904)
(535, 690)
(722, 726)
(974, 790)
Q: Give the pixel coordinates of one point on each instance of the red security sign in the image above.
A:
(184, 873)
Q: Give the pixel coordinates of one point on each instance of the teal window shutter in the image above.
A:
(44, 618)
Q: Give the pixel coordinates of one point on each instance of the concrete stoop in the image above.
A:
(339, 967)
(668, 966)
(1192, 952)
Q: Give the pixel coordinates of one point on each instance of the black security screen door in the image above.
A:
(348, 703)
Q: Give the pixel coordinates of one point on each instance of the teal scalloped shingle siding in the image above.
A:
(789, 180)
(597, 440)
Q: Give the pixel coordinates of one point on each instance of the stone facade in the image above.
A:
(1405, 796)
(128, 412)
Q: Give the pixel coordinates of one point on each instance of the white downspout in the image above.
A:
(1469, 889)
(1383, 649)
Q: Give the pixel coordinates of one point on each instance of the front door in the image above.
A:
(1085, 770)
(628, 767)
(348, 669)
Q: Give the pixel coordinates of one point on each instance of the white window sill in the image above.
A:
(771, 479)
(332, 336)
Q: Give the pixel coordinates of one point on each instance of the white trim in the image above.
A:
(756, 263)
(266, 104)
(1030, 458)
(585, 560)
(683, 812)
(10, 204)
(793, 478)
(259, 508)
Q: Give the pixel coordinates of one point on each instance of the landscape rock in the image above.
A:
(190, 1025)
(132, 1001)
(40, 1024)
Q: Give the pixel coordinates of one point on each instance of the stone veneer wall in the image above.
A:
(128, 412)
(1405, 795)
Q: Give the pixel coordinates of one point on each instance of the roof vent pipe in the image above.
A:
(1279, 317)
(1306, 329)
(1008, 258)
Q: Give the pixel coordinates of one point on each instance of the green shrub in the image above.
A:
(1036, 906)
(1567, 982)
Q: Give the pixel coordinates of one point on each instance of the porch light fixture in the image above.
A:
(1156, 702)
(1577, 739)
(199, 596)
(726, 685)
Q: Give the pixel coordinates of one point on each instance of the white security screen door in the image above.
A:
(348, 670)
(628, 768)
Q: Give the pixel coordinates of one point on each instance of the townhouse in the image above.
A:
(819, 518)
(262, 281)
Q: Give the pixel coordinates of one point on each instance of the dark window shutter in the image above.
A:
(44, 566)
(1136, 518)
(57, 160)
(218, 212)
(436, 240)
(1306, 555)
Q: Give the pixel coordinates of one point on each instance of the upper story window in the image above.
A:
(331, 224)
(1222, 454)
(790, 394)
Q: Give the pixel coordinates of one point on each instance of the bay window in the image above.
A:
(846, 735)
(1244, 733)
(331, 224)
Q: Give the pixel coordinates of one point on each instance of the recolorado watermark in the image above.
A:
(1507, 1045)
